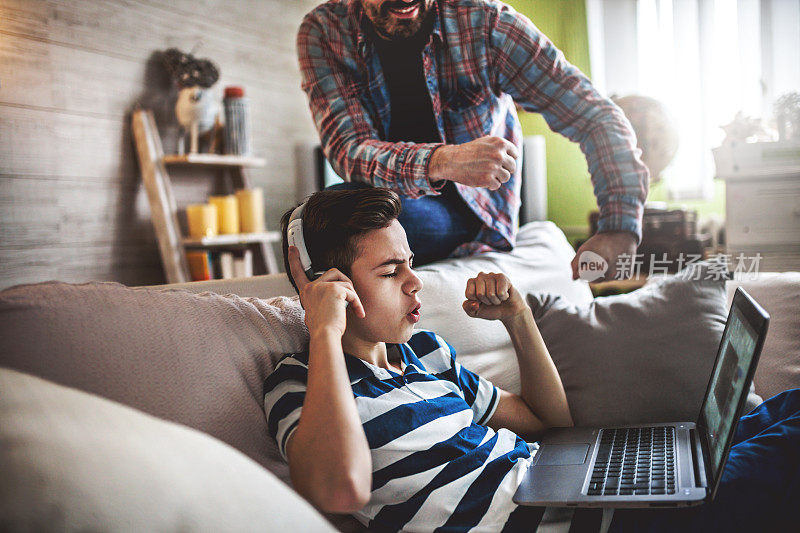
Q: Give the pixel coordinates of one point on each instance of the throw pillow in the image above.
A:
(72, 461)
(645, 356)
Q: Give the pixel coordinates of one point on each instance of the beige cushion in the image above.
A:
(779, 294)
(196, 359)
(72, 461)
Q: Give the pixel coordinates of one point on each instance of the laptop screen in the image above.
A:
(728, 384)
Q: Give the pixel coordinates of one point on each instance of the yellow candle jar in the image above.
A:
(227, 213)
(251, 209)
(203, 221)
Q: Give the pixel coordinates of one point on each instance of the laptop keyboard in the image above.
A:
(634, 461)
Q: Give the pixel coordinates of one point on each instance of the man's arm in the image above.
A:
(349, 138)
(534, 72)
(351, 141)
(328, 454)
(542, 402)
(486, 162)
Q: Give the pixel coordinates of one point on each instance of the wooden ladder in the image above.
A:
(164, 211)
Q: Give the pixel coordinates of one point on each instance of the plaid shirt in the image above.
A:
(481, 58)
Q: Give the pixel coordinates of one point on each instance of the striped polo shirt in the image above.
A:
(435, 465)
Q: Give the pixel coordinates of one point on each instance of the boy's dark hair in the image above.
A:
(334, 221)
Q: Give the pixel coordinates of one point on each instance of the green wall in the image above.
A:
(570, 198)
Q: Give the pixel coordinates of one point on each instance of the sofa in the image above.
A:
(141, 408)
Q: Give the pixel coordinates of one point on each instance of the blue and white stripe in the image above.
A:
(434, 463)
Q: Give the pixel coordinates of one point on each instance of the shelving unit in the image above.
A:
(762, 203)
(164, 211)
(214, 160)
(229, 240)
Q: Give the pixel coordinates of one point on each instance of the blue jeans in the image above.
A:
(760, 487)
(434, 225)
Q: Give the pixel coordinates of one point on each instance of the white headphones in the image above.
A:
(294, 234)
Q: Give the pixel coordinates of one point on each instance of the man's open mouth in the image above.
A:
(404, 10)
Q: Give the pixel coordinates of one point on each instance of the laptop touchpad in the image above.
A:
(562, 454)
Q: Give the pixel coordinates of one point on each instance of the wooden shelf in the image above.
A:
(215, 160)
(172, 245)
(232, 239)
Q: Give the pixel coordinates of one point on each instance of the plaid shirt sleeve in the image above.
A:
(537, 76)
(348, 136)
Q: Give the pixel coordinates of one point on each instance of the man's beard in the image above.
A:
(389, 27)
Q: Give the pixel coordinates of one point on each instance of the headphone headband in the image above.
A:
(294, 234)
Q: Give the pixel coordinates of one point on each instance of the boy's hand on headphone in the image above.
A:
(325, 299)
(492, 297)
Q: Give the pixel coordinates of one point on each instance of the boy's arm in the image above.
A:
(540, 385)
(542, 402)
(328, 454)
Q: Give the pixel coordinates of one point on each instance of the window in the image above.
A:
(705, 60)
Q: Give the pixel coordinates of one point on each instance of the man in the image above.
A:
(418, 96)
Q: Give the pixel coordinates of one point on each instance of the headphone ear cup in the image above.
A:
(294, 236)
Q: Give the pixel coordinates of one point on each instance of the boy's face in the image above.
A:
(386, 286)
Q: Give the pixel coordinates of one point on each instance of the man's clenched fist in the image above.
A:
(486, 162)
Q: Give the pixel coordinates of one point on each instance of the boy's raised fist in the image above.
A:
(491, 296)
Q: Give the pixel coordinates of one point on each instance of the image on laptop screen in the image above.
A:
(728, 385)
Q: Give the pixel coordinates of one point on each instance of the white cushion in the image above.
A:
(72, 461)
(539, 263)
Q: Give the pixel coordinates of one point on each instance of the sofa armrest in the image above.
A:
(265, 286)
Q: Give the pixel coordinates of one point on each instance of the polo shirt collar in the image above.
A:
(358, 369)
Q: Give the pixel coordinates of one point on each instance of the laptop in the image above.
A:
(654, 465)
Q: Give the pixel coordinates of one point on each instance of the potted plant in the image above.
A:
(787, 115)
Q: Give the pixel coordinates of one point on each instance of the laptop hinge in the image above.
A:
(699, 460)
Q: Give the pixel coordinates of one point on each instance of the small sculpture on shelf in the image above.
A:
(196, 109)
(744, 129)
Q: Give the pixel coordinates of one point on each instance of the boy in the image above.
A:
(378, 419)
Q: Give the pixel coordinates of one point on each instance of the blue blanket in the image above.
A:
(760, 487)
